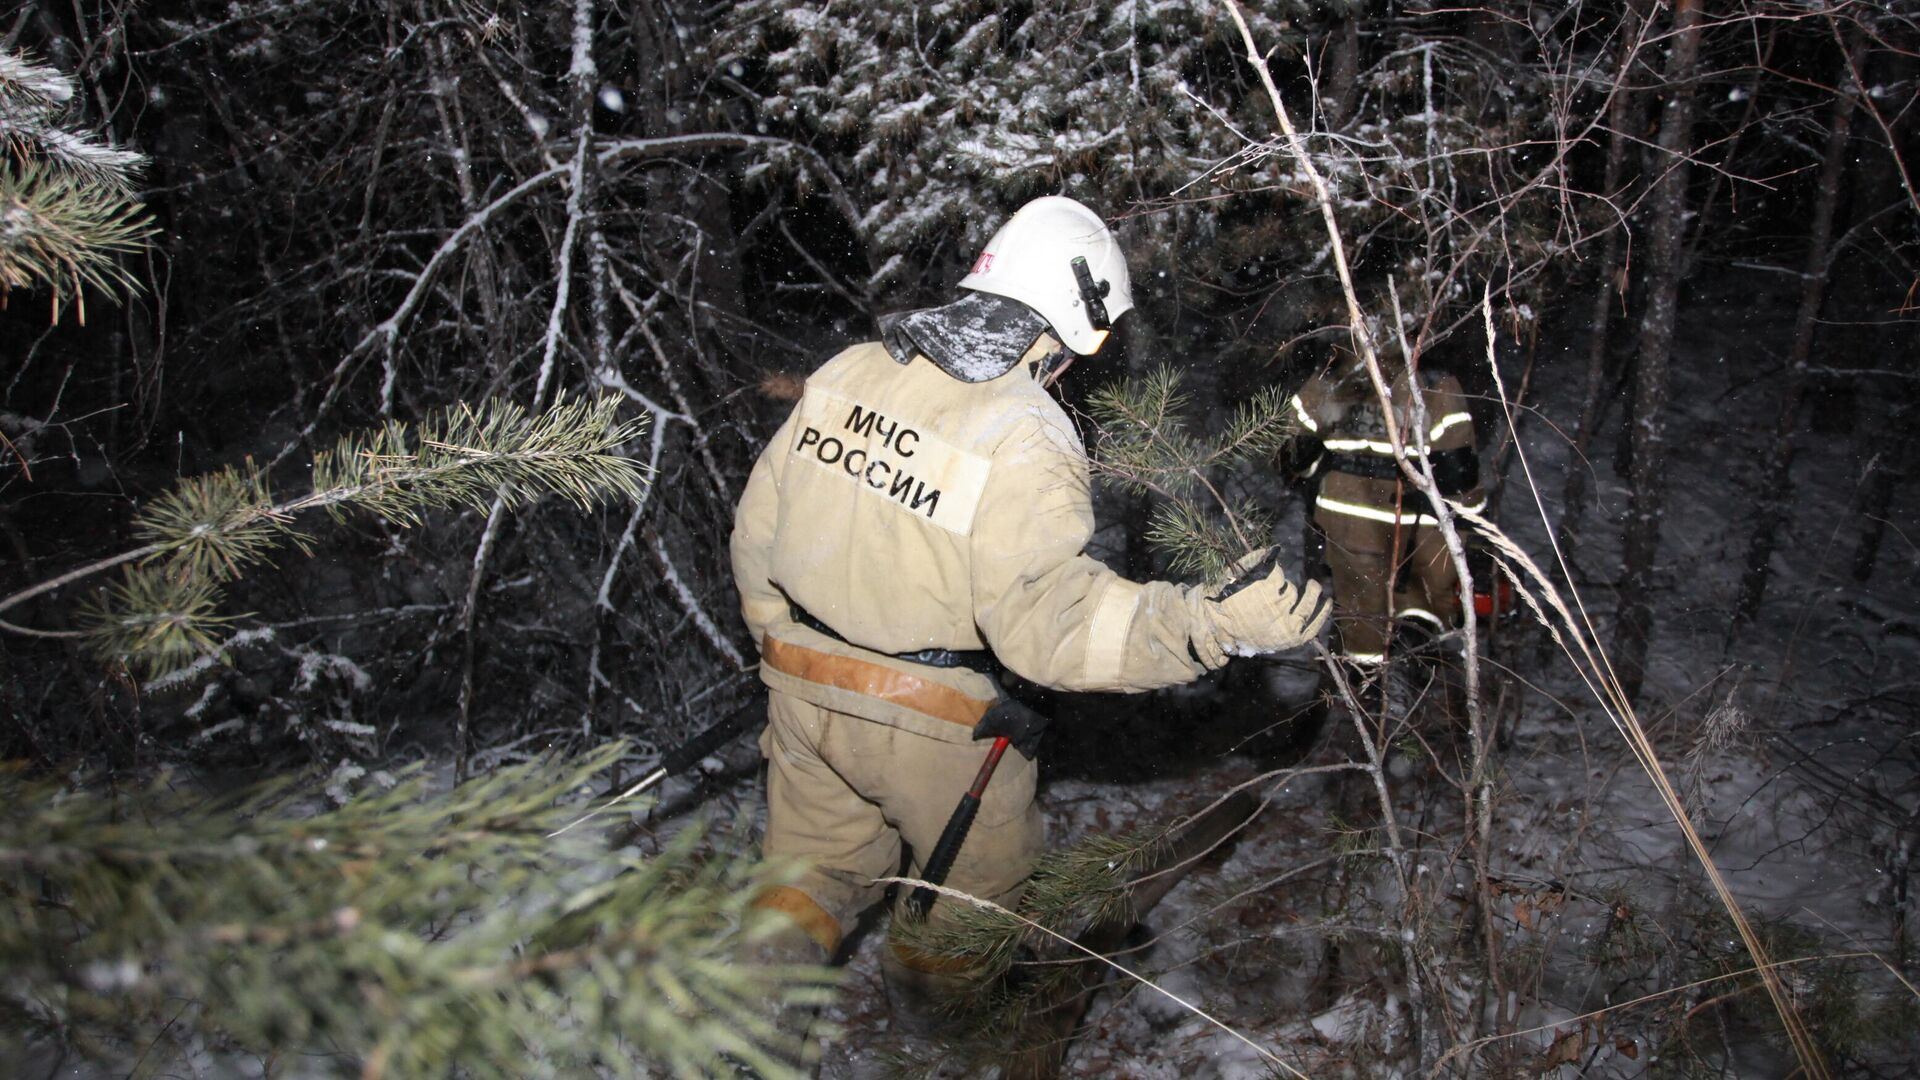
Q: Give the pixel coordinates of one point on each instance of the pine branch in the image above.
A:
(1145, 445)
(33, 98)
(77, 156)
(61, 233)
(1071, 889)
(464, 458)
(407, 933)
(160, 621)
(162, 614)
(27, 85)
(67, 210)
(1201, 545)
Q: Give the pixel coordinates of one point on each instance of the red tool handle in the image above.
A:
(955, 833)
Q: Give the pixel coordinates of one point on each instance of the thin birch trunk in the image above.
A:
(1776, 489)
(1666, 235)
(1626, 115)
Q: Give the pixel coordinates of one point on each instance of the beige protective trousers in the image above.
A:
(1370, 590)
(843, 795)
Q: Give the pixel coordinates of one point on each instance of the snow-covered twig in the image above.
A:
(578, 206)
(690, 603)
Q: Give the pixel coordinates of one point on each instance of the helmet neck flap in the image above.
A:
(974, 339)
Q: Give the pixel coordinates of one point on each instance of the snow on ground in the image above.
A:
(1789, 742)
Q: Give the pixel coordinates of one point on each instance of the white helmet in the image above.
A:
(1058, 258)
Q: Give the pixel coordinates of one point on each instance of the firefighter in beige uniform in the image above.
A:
(1368, 512)
(922, 513)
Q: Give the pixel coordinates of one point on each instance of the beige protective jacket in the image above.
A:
(909, 510)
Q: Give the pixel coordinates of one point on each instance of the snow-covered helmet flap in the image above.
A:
(1058, 258)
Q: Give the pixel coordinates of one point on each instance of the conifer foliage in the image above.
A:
(952, 114)
(404, 934)
(162, 611)
(1145, 443)
(67, 205)
(945, 117)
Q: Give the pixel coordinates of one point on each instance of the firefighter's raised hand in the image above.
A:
(1259, 611)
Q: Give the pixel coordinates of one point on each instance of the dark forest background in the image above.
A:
(366, 213)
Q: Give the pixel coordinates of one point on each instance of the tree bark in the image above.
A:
(1666, 233)
(1891, 404)
(1339, 84)
(668, 104)
(1776, 489)
(1625, 115)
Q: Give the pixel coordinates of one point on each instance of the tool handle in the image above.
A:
(955, 834)
(713, 738)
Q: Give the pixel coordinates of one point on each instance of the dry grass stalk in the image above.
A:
(1597, 672)
(1592, 662)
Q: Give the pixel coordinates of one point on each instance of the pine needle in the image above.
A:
(154, 621)
(1145, 445)
(209, 529)
(62, 234)
(417, 932)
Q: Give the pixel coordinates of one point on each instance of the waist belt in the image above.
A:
(1381, 467)
(1371, 466)
(980, 660)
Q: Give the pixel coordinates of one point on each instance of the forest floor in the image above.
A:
(1789, 740)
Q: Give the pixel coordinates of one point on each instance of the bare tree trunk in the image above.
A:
(668, 105)
(1626, 116)
(1881, 438)
(447, 95)
(1666, 233)
(1776, 490)
(1339, 73)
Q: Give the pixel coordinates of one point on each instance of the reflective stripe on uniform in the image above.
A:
(1371, 513)
(1424, 615)
(1107, 632)
(1374, 513)
(806, 913)
(1440, 426)
(1368, 658)
(873, 680)
(1347, 445)
(1306, 419)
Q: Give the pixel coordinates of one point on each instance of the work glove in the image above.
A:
(1259, 611)
(1021, 726)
